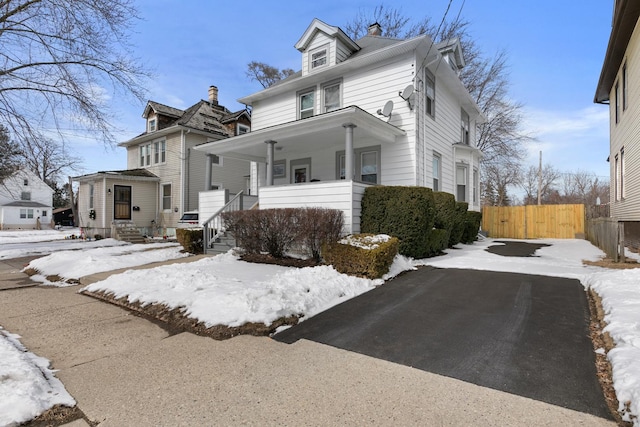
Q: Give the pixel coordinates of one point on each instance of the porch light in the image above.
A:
(109, 191)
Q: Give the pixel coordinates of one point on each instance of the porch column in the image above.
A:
(348, 151)
(270, 145)
(207, 173)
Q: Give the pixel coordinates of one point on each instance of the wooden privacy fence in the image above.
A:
(534, 222)
(608, 235)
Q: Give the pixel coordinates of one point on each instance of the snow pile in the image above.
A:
(22, 236)
(365, 241)
(76, 264)
(620, 293)
(223, 290)
(27, 385)
(21, 249)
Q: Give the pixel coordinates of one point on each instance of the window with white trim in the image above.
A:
(26, 181)
(367, 164)
(216, 160)
(436, 171)
(318, 57)
(306, 104)
(163, 151)
(44, 212)
(623, 188)
(476, 185)
(152, 125)
(240, 129)
(91, 196)
(462, 177)
(166, 197)
(617, 102)
(430, 94)
(331, 97)
(464, 127)
(625, 87)
(156, 152)
(26, 195)
(26, 213)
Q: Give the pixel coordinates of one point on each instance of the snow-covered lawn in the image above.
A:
(225, 290)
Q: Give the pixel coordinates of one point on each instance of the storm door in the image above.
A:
(121, 202)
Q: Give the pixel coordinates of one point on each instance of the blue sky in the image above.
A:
(555, 53)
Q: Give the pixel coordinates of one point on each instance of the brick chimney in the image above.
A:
(374, 30)
(213, 95)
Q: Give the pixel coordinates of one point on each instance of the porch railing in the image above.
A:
(213, 227)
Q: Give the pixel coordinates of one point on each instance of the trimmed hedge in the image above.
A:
(472, 226)
(357, 261)
(407, 213)
(459, 221)
(444, 221)
(190, 239)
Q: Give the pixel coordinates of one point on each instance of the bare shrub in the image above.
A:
(318, 227)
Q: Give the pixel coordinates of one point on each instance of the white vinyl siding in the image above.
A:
(625, 143)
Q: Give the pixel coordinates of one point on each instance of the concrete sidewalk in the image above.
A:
(124, 370)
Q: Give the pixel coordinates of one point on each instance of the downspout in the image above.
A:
(182, 168)
(104, 203)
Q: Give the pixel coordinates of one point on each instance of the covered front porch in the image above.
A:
(322, 161)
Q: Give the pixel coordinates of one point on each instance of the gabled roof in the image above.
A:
(165, 110)
(625, 17)
(317, 25)
(452, 46)
(235, 116)
(26, 204)
(204, 117)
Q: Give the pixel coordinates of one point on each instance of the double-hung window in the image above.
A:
(156, 152)
(617, 102)
(625, 92)
(464, 127)
(437, 161)
(152, 125)
(461, 183)
(331, 97)
(163, 151)
(90, 196)
(318, 57)
(26, 195)
(369, 166)
(166, 197)
(430, 94)
(306, 100)
(622, 186)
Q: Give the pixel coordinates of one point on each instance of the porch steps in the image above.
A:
(128, 232)
(222, 245)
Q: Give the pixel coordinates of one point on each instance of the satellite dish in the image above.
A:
(406, 93)
(387, 109)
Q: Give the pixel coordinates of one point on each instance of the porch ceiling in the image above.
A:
(319, 132)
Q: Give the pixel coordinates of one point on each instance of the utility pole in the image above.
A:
(540, 179)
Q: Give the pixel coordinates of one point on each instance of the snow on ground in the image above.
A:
(23, 236)
(77, 264)
(225, 290)
(27, 385)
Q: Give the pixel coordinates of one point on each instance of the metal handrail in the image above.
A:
(211, 234)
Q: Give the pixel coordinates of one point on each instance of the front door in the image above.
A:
(121, 202)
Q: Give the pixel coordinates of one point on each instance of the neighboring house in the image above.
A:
(619, 86)
(371, 111)
(26, 201)
(164, 174)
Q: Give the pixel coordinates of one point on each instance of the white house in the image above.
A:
(618, 87)
(373, 111)
(25, 202)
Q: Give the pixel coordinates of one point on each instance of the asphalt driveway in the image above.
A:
(523, 334)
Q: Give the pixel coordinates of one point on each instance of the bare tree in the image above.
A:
(497, 182)
(265, 74)
(548, 184)
(48, 160)
(60, 61)
(9, 155)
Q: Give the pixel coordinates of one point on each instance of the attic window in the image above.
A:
(152, 127)
(318, 57)
(26, 181)
(242, 129)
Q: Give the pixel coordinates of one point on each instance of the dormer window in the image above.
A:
(242, 129)
(318, 57)
(152, 125)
